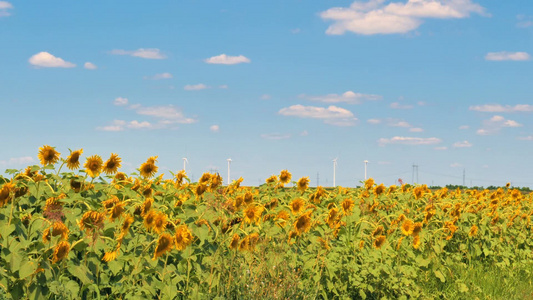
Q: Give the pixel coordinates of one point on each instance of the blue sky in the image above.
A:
(274, 85)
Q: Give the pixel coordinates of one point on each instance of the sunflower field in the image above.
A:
(72, 231)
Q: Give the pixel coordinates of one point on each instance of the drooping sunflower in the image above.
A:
(160, 222)
(61, 251)
(92, 221)
(164, 244)
(347, 206)
(417, 227)
(128, 220)
(303, 184)
(149, 219)
(234, 244)
(369, 183)
(180, 176)
(183, 237)
(200, 189)
(5, 193)
(473, 230)
(252, 214)
(297, 205)
(112, 164)
(379, 189)
(109, 256)
(416, 242)
(271, 179)
(48, 155)
(285, 177)
(333, 217)
(248, 198)
(282, 218)
(117, 210)
(377, 231)
(148, 169)
(73, 160)
(93, 165)
(379, 241)
(303, 223)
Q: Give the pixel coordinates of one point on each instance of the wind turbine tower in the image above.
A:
(229, 163)
(366, 163)
(334, 170)
(185, 161)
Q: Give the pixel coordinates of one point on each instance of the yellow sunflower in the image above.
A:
(234, 244)
(303, 184)
(379, 241)
(252, 214)
(407, 227)
(271, 179)
(112, 164)
(303, 223)
(297, 205)
(92, 221)
(416, 242)
(148, 169)
(61, 251)
(473, 230)
(347, 206)
(149, 219)
(164, 244)
(73, 160)
(160, 222)
(93, 165)
(285, 177)
(183, 237)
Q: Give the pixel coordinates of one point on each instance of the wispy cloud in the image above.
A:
(409, 141)
(398, 105)
(159, 76)
(498, 108)
(195, 87)
(495, 124)
(524, 21)
(17, 161)
(376, 17)
(120, 101)
(463, 144)
(265, 97)
(275, 136)
(332, 115)
(224, 59)
(456, 165)
(348, 97)
(464, 127)
(90, 66)
(504, 55)
(149, 53)
(120, 125)
(214, 128)
(167, 114)
(526, 138)
(47, 60)
(5, 8)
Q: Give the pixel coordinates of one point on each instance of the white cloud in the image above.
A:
(160, 76)
(332, 115)
(347, 97)
(398, 105)
(526, 138)
(120, 125)
(167, 114)
(47, 60)
(374, 121)
(265, 97)
(463, 144)
(90, 66)
(416, 129)
(4, 9)
(195, 87)
(456, 165)
(376, 17)
(275, 136)
(214, 128)
(224, 59)
(16, 161)
(399, 124)
(223, 86)
(524, 21)
(117, 125)
(409, 141)
(120, 101)
(138, 125)
(442, 148)
(149, 53)
(504, 55)
(495, 124)
(464, 127)
(502, 109)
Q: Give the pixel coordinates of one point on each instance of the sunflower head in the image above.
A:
(303, 223)
(149, 219)
(369, 183)
(347, 206)
(297, 205)
(234, 244)
(252, 214)
(93, 165)
(416, 242)
(160, 222)
(148, 169)
(183, 237)
(73, 160)
(285, 177)
(48, 155)
(164, 244)
(92, 221)
(407, 227)
(379, 189)
(61, 251)
(112, 164)
(379, 241)
(303, 184)
(271, 179)
(473, 230)
(109, 256)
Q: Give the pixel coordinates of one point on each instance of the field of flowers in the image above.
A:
(71, 231)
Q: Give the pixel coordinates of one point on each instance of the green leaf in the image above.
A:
(5, 231)
(463, 288)
(440, 275)
(27, 268)
(73, 288)
(362, 294)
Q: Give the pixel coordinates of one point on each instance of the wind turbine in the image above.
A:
(334, 169)
(366, 163)
(229, 163)
(185, 161)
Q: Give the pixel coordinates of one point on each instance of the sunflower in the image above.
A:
(333, 217)
(416, 242)
(147, 204)
(109, 256)
(248, 198)
(5, 193)
(73, 160)
(271, 179)
(347, 206)
(48, 155)
(183, 237)
(323, 243)
(292, 234)
(369, 183)
(417, 227)
(93, 165)
(303, 223)
(148, 169)
(234, 244)
(205, 178)
(92, 221)
(149, 219)
(59, 228)
(285, 177)
(117, 210)
(379, 189)
(303, 184)
(128, 220)
(180, 176)
(399, 243)
(282, 217)
(473, 230)
(379, 241)
(160, 222)
(407, 227)
(200, 189)
(377, 231)
(164, 244)
(216, 181)
(252, 214)
(297, 205)
(61, 251)
(112, 164)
